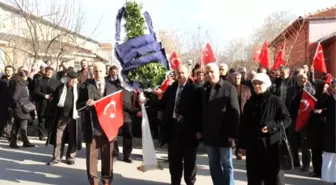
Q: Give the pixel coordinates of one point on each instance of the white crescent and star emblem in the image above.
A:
(306, 104)
(174, 59)
(112, 114)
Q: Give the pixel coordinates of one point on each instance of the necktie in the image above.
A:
(100, 88)
(177, 101)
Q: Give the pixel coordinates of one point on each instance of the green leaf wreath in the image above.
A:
(150, 75)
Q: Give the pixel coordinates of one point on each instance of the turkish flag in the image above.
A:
(280, 59)
(174, 61)
(165, 84)
(110, 114)
(328, 78)
(164, 87)
(307, 105)
(208, 55)
(256, 54)
(263, 58)
(318, 61)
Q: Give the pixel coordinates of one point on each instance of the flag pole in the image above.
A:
(310, 94)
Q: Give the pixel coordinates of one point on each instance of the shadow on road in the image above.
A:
(13, 170)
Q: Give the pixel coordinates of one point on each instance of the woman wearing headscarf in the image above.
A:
(328, 106)
(21, 97)
(265, 115)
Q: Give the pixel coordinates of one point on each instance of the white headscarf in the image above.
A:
(264, 78)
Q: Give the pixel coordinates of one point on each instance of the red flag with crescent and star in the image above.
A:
(208, 55)
(174, 61)
(307, 105)
(110, 114)
(318, 61)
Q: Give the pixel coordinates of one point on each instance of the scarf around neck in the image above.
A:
(63, 96)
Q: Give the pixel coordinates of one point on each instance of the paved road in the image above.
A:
(27, 166)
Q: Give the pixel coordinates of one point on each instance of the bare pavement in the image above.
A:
(27, 166)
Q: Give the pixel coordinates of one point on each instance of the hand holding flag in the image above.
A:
(307, 105)
(109, 113)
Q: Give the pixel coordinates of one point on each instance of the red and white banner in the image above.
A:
(110, 114)
(307, 105)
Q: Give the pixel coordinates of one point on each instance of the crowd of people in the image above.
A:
(232, 111)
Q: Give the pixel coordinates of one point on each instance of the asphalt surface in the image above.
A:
(27, 166)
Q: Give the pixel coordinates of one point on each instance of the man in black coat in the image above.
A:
(6, 115)
(65, 127)
(280, 86)
(129, 113)
(178, 121)
(44, 90)
(219, 123)
(94, 137)
(293, 100)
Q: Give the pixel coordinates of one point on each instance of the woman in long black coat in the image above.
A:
(315, 129)
(20, 97)
(259, 133)
(329, 139)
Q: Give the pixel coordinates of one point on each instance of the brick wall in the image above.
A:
(296, 46)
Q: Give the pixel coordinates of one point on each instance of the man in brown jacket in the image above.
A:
(244, 94)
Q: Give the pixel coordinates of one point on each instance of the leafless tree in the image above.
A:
(195, 45)
(170, 40)
(46, 30)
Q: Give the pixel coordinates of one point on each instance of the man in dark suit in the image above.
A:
(6, 121)
(44, 90)
(179, 127)
(94, 137)
(219, 123)
(129, 113)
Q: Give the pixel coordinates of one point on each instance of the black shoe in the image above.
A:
(70, 162)
(15, 146)
(53, 162)
(297, 165)
(314, 174)
(305, 169)
(127, 160)
(28, 145)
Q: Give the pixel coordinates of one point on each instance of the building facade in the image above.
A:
(301, 38)
(27, 39)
